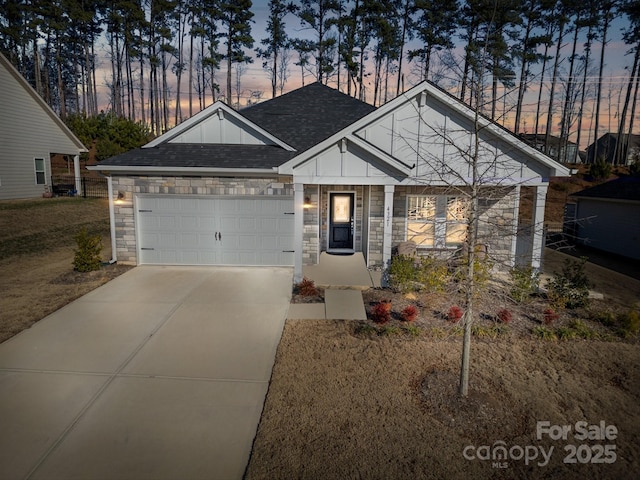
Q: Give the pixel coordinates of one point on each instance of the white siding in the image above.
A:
(222, 129)
(27, 131)
(438, 140)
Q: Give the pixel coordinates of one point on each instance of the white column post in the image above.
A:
(112, 220)
(298, 202)
(538, 226)
(76, 173)
(514, 241)
(387, 225)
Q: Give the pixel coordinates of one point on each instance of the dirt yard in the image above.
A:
(36, 254)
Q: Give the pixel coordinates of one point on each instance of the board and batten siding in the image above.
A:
(28, 130)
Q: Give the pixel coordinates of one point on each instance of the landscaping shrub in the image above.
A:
(524, 282)
(432, 274)
(402, 272)
(582, 330)
(381, 312)
(505, 315)
(544, 333)
(550, 316)
(629, 323)
(570, 288)
(454, 314)
(306, 288)
(409, 313)
(565, 333)
(87, 257)
(407, 273)
(600, 170)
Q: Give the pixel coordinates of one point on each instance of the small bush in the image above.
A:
(483, 332)
(409, 313)
(544, 333)
(381, 312)
(629, 323)
(412, 330)
(454, 314)
(306, 288)
(402, 272)
(549, 316)
(87, 257)
(365, 329)
(524, 282)
(432, 274)
(390, 330)
(565, 333)
(570, 288)
(600, 170)
(582, 330)
(505, 316)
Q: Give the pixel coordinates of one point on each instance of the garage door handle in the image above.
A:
(143, 248)
(145, 211)
(288, 251)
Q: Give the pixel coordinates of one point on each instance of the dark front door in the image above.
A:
(341, 221)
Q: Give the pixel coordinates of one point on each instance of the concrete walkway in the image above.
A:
(343, 277)
(159, 374)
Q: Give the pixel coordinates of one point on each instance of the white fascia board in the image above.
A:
(197, 171)
(211, 110)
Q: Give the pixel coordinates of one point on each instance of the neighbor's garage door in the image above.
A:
(214, 231)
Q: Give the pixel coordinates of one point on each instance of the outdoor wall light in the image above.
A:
(307, 203)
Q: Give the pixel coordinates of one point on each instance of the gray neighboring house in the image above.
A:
(315, 171)
(607, 216)
(556, 147)
(607, 145)
(30, 133)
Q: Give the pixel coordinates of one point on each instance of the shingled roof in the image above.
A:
(209, 155)
(306, 116)
(623, 188)
(301, 118)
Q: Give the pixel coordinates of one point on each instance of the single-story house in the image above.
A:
(30, 134)
(608, 144)
(607, 216)
(315, 171)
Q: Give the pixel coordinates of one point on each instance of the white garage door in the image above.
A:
(176, 230)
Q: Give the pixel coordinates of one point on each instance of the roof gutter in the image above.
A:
(191, 171)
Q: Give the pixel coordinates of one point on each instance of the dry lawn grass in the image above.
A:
(343, 405)
(351, 400)
(36, 254)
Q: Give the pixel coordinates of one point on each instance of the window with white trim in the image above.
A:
(436, 221)
(40, 171)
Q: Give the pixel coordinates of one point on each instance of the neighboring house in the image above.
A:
(607, 216)
(607, 145)
(315, 170)
(30, 133)
(556, 147)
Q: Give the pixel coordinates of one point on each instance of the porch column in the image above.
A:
(298, 202)
(76, 173)
(513, 261)
(387, 230)
(538, 226)
(112, 220)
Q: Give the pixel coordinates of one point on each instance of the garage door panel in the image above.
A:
(214, 230)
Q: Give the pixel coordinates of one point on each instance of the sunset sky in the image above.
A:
(616, 75)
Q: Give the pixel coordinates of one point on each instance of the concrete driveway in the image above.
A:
(159, 374)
